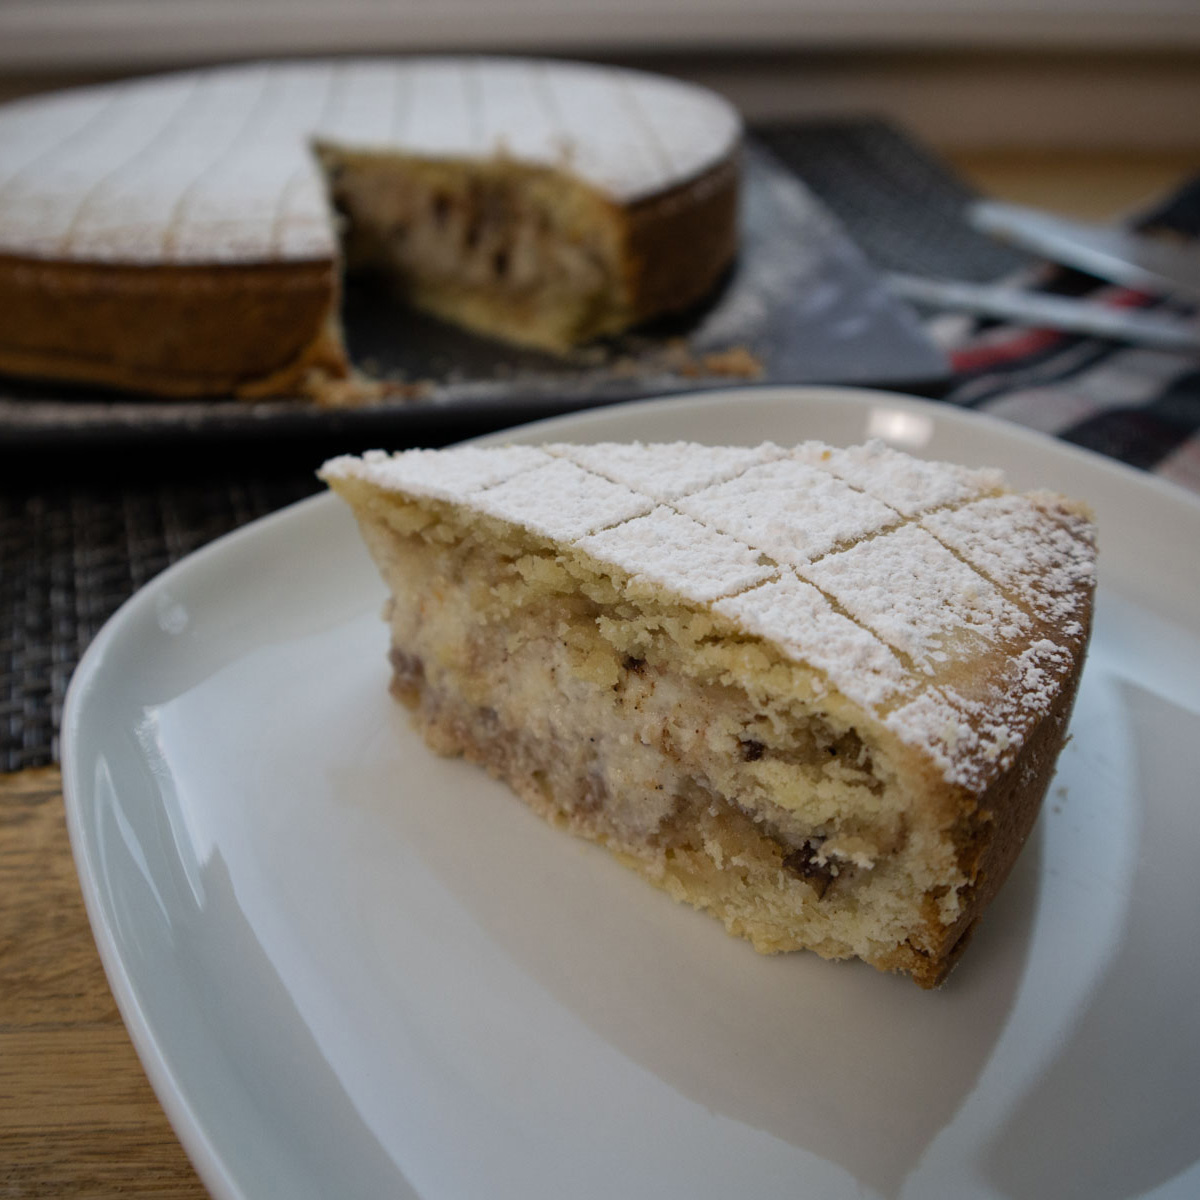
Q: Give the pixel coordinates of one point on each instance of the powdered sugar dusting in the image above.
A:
(450, 475)
(788, 510)
(971, 737)
(1038, 671)
(667, 470)
(762, 534)
(933, 724)
(907, 587)
(671, 550)
(802, 623)
(561, 500)
(1016, 543)
(910, 485)
(216, 166)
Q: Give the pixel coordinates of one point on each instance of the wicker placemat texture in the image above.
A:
(70, 557)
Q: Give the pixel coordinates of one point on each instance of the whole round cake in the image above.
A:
(186, 234)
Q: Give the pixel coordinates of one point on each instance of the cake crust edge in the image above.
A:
(250, 330)
(257, 330)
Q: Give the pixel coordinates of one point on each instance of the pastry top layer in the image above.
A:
(216, 166)
(947, 606)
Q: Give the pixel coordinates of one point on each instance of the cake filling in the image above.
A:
(525, 253)
(771, 814)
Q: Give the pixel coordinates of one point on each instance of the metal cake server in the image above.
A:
(1164, 266)
(1159, 266)
(1157, 330)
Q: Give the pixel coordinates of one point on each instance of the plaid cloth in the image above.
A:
(1138, 405)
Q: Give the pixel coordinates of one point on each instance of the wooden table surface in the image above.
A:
(77, 1117)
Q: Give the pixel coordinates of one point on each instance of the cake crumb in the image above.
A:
(736, 362)
(360, 391)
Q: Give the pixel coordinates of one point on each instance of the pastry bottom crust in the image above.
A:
(716, 858)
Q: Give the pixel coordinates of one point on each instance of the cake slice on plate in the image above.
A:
(816, 692)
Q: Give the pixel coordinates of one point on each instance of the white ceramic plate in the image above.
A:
(353, 969)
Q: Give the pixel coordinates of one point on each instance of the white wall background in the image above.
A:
(962, 73)
(36, 34)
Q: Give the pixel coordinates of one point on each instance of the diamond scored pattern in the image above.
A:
(217, 166)
(781, 545)
(793, 512)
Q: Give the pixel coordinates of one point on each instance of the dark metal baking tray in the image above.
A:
(802, 301)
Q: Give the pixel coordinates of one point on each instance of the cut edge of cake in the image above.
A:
(531, 255)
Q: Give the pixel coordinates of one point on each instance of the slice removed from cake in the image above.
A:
(816, 692)
(531, 254)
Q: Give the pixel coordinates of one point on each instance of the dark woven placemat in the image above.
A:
(70, 554)
(898, 201)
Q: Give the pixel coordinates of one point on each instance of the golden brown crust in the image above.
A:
(170, 330)
(258, 330)
(993, 829)
(680, 243)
